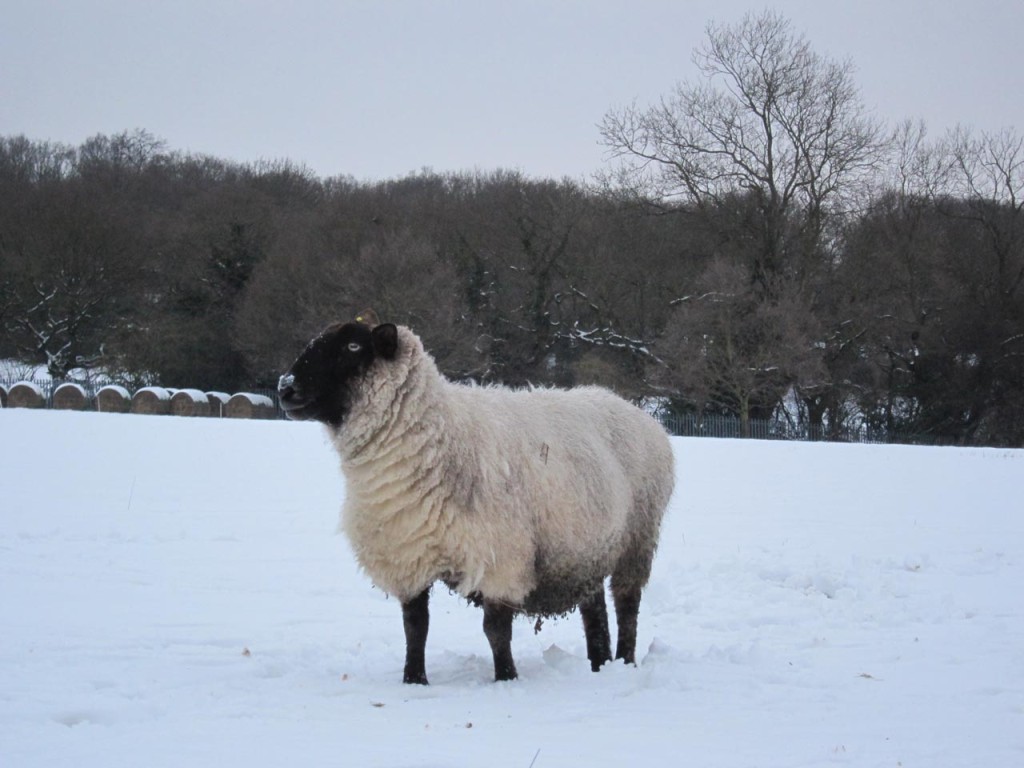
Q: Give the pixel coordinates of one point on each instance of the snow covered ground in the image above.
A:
(173, 594)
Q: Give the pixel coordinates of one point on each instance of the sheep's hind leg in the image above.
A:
(595, 627)
(498, 628)
(416, 619)
(627, 608)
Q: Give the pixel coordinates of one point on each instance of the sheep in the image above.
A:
(522, 501)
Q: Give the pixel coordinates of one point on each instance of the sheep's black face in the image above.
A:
(318, 386)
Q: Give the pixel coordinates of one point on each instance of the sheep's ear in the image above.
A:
(385, 340)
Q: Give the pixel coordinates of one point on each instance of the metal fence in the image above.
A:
(681, 425)
(725, 426)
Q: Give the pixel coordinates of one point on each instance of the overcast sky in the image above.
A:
(378, 89)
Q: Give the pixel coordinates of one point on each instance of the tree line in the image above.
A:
(759, 245)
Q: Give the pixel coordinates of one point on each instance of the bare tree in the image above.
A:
(989, 167)
(933, 273)
(772, 150)
(988, 180)
(771, 118)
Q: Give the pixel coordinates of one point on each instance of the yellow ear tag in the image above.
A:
(368, 317)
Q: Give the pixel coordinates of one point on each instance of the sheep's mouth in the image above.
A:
(301, 402)
(294, 405)
(301, 411)
(298, 408)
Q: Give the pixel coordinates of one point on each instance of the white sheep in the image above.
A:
(521, 500)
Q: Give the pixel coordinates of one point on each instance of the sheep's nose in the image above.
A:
(286, 386)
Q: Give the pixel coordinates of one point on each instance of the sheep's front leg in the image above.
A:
(498, 628)
(595, 626)
(416, 619)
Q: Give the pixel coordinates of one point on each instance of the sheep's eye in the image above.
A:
(354, 346)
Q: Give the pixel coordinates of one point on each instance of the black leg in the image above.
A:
(498, 628)
(416, 619)
(627, 607)
(595, 627)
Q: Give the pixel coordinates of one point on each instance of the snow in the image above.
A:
(13, 370)
(30, 385)
(173, 594)
(195, 395)
(158, 392)
(116, 388)
(258, 400)
(72, 386)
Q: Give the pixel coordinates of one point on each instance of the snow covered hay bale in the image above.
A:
(25, 394)
(113, 399)
(152, 400)
(218, 402)
(70, 397)
(190, 402)
(246, 405)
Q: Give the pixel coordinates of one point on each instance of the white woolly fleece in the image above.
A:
(497, 490)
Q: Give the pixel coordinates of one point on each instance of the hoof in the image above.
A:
(502, 675)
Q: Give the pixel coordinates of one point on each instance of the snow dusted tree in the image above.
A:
(730, 351)
(768, 150)
(933, 280)
(70, 249)
(770, 118)
(982, 334)
(68, 285)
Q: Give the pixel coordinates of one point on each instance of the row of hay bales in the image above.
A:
(151, 400)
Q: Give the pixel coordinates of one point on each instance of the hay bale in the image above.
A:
(25, 394)
(218, 402)
(3, 396)
(190, 402)
(245, 405)
(113, 399)
(70, 397)
(152, 400)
